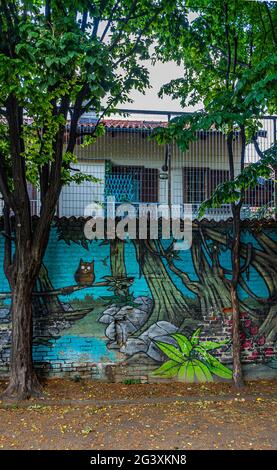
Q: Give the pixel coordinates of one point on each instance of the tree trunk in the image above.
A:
(24, 270)
(23, 379)
(235, 254)
(237, 368)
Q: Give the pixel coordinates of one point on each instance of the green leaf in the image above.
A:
(217, 368)
(184, 343)
(202, 372)
(168, 370)
(209, 345)
(222, 371)
(170, 351)
(186, 372)
(195, 337)
(203, 354)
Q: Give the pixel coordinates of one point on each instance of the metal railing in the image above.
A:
(160, 174)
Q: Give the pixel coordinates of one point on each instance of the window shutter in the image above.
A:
(147, 181)
(260, 195)
(216, 177)
(149, 185)
(196, 184)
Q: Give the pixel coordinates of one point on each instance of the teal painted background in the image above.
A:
(144, 292)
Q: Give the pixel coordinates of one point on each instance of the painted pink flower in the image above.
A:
(261, 341)
(247, 323)
(247, 344)
(242, 335)
(254, 330)
(269, 352)
(254, 355)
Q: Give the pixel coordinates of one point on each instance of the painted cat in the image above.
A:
(85, 273)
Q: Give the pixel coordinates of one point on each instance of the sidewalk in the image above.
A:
(239, 397)
(143, 416)
(65, 392)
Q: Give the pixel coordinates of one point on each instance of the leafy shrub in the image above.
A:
(192, 361)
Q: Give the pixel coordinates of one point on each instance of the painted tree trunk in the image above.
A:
(266, 264)
(118, 268)
(261, 260)
(46, 304)
(169, 304)
(214, 292)
(117, 260)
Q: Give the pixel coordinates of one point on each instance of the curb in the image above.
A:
(126, 401)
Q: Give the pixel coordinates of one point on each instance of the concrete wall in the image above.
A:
(118, 319)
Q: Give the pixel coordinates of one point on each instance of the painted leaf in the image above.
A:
(195, 337)
(217, 368)
(186, 372)
(209, 345)
(203, 353)
(170, 351)
(168, 370)
(222, 371)
(184, 343)
(190, 378)
(183, 371)
(202, 372)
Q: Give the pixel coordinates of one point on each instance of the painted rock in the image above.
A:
(145, 343)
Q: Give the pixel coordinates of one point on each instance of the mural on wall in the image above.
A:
(108, 302)
(191, 361)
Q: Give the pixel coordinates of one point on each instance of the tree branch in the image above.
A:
(84, 20)
(4, 189)
(256, 145)
(271, 23)
(229, 58)
(119, 36)
(61, 291)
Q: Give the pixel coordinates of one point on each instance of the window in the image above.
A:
(261, 195)
(132, 183)
(200, 182)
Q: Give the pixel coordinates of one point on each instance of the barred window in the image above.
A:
(142, 183)
(199, 183)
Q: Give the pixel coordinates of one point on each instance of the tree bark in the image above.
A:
(237, 368)
(23, 379)
(235, 254)
(25, 268)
